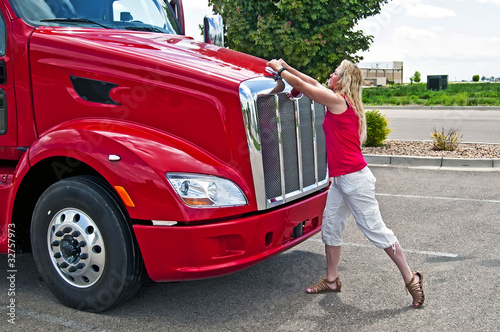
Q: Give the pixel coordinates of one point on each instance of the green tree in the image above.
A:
(416, 77)
(475, 78)
(312, 35)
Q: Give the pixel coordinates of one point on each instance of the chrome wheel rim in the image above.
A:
(76, 247)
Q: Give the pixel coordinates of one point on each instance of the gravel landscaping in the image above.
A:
(425, 149)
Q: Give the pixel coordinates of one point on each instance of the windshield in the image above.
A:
(145, 15)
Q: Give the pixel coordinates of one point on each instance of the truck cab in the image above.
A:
(128, 149)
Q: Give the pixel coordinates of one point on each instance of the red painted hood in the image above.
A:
(172, 83)
(171, 50)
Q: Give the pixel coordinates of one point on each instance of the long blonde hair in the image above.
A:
(349, 85)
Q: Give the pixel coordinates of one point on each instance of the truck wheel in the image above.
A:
(83, 245)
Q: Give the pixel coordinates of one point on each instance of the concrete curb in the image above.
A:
(421, 107)
(438, 162)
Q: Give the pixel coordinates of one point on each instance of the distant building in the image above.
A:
(381, 73)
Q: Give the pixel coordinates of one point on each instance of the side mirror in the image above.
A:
(126, 17)
(214, 30)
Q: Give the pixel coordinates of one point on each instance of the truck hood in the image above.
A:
(172, 83)
(172, 50)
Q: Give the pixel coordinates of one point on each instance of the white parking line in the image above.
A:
(58, 321)
(420, 252)
(443, 198)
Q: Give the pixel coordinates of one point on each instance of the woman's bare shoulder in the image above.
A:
(338, 104)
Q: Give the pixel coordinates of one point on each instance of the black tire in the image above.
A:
(83, 245)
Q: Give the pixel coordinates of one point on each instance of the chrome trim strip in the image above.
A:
(280, 140)
(315, 141)
(299, 145)
(249, 91)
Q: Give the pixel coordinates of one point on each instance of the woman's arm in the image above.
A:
(302, 76)
(310, 87)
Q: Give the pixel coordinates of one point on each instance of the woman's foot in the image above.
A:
(416, 290)
(325, 286)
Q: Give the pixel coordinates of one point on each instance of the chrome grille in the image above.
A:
(287, 145)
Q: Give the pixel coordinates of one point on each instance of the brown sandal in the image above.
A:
(322, 287)
(416, 290)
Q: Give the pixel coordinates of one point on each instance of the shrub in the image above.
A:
(426, 95)
(461, 98)
(471, 102)
(446, 141)
(376, 128)
(405, 100)
(394, 101)
(399, 93)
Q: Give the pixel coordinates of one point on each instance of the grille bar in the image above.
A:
(298, 132)
(280, 147)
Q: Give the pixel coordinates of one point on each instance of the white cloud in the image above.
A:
(421, 10)
(495, 2)
(436, 28)
(402, 34)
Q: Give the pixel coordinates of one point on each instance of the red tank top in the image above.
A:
(343, 146)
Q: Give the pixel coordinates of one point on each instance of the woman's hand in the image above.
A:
(277, 64)
(284, 64)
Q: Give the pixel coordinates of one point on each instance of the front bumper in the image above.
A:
(173, 253)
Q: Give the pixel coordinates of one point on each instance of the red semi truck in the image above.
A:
(129, 150)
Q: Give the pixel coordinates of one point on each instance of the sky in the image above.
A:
(458, 38)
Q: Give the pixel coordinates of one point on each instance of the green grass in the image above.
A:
(457, 94)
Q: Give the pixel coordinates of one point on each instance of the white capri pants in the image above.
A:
(355, 193)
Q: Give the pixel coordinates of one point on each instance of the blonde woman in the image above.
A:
(352, 189)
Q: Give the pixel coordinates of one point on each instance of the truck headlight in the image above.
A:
(199, 190)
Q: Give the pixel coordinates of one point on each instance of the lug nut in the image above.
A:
(59, 233)
(56, 243)
(67, 229)
(82, 244)
(80, 266)
(75, 234)
(84, 256)
(72, 269)
(64, 265)
(57, 255)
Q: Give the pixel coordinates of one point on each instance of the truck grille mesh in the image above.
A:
(292, 145)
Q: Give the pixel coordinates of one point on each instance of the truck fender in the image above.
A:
(136, 158)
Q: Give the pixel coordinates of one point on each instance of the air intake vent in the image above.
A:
(93, 90)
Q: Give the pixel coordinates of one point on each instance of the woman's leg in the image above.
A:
(331, 283)
(359, 190)
(412, 279)
(335, 217)
(332, 264)
(396, 254)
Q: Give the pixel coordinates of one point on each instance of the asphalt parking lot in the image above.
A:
(447, 221)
